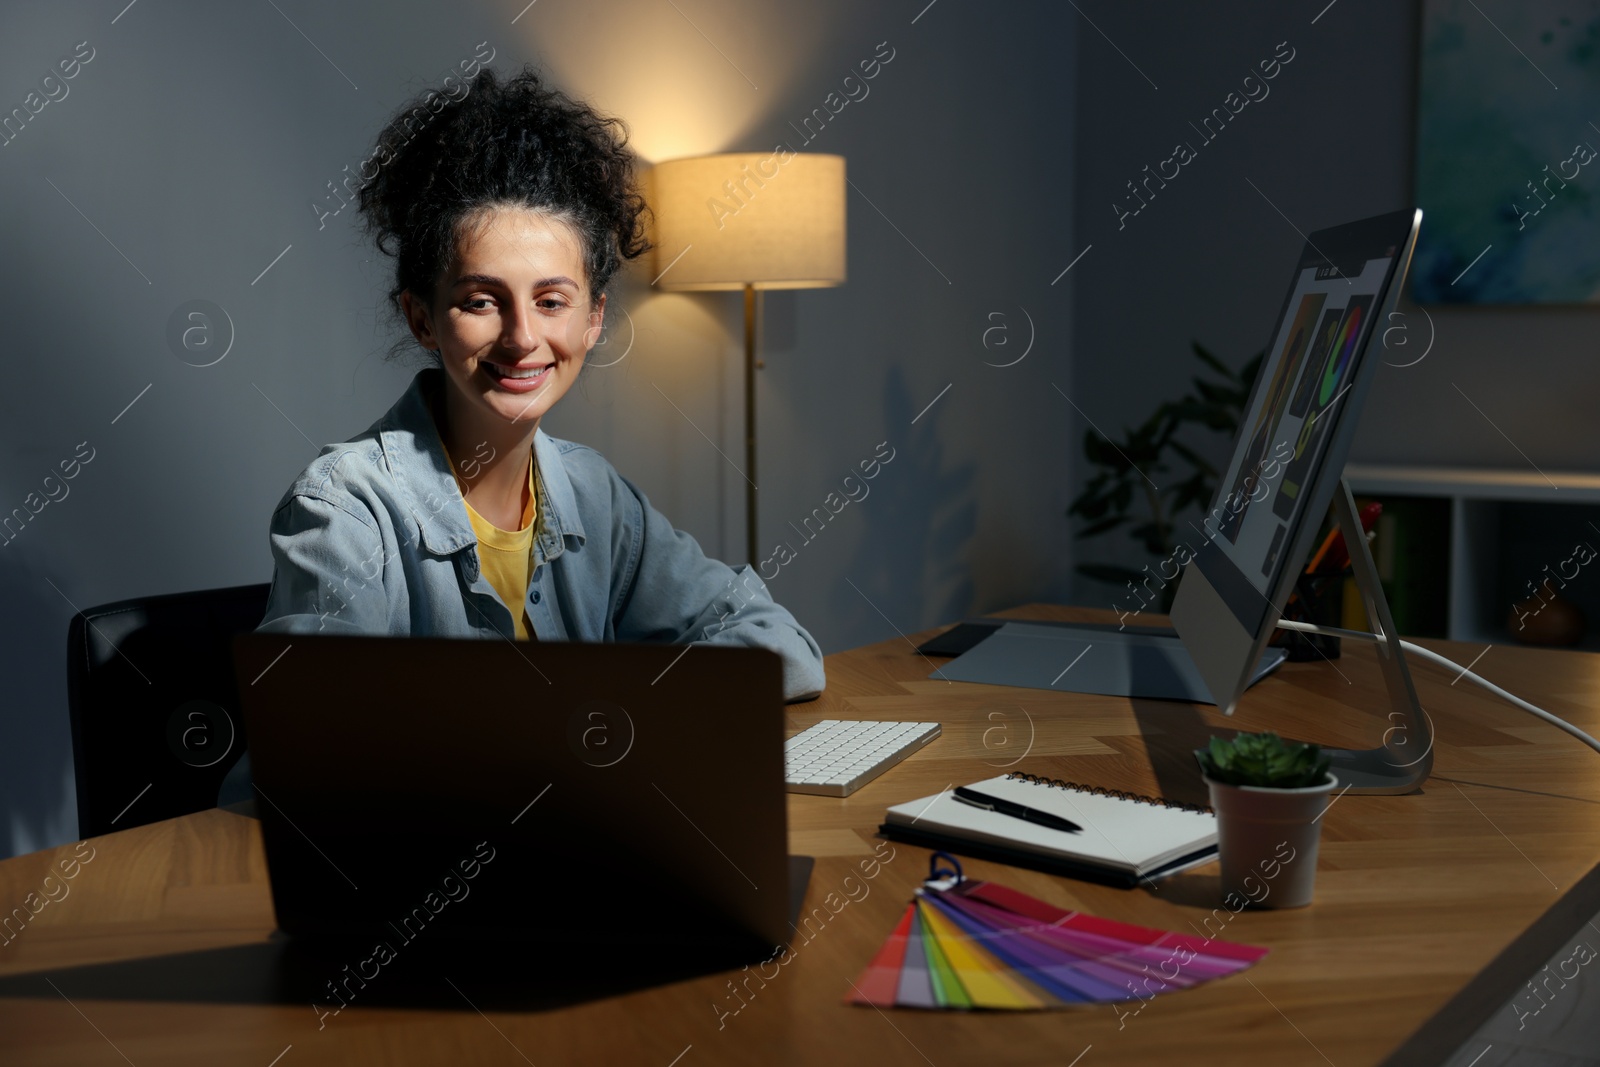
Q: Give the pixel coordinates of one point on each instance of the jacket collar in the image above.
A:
(417, 462)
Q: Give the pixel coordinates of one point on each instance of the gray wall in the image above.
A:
(184, 160)
(1208, 258)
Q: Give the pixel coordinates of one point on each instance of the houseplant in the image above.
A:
(1269, 795)
(1150, 477)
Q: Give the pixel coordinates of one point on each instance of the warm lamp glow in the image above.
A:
(774, 220)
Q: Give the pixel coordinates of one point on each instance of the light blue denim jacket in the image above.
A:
(373, 537)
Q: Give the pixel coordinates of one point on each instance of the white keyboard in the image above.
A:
(836, 757)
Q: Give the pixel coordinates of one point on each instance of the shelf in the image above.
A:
(1507, 528)
(1474, 483)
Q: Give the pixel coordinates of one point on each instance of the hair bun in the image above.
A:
(511, 142)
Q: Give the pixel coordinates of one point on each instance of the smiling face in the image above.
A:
(511, 318)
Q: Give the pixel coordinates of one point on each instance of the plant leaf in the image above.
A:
(1095, 529)
(1106, 572)
(1209, 360)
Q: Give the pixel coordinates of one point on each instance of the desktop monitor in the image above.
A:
(1287, 468)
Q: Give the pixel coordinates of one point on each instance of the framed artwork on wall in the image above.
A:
(1506, 169)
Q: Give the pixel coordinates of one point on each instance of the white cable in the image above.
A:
(1362, 635)
(1553, 720)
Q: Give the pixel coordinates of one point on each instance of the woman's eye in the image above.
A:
(479, 303)
(551, 303)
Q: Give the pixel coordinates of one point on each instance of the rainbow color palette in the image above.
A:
(964, 944)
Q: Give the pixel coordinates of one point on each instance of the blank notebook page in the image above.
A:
(1130, 835)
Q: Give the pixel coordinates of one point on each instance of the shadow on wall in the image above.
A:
(33, 629)
(915, 550)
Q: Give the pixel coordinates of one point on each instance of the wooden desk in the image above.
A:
(1431, 908)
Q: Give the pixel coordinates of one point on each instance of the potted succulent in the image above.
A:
(1269, 795)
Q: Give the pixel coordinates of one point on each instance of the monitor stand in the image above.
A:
(1405, 760)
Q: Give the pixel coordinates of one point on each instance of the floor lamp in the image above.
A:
(749, 221)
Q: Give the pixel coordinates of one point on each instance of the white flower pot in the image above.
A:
(1267, 841)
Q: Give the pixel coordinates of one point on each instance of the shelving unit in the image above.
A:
(1505, 528)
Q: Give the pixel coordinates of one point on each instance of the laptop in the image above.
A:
(542, 794)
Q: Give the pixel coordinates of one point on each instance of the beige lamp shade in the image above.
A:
(774, 220)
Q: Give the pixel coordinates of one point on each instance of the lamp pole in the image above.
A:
(750, 420)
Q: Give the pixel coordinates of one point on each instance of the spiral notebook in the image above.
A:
(1125, 838)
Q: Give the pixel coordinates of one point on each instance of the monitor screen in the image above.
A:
(1290, 451)
(1307, 373)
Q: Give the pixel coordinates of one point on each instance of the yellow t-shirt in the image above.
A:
(505, 556)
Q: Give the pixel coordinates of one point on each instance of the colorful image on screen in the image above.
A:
(1293, 417)
(1327, 333)
(1330, 387)
(1285, 374)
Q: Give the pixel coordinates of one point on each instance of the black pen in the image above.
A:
(1016, 811)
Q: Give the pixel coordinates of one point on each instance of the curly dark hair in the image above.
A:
(513, 142)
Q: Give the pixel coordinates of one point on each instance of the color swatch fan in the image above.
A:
(968, 944)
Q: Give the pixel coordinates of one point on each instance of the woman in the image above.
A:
(507, 214)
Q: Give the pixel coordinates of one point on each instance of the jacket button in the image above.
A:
(536, 595)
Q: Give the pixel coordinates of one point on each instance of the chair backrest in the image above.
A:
(154, 705)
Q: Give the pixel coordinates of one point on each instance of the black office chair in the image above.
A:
(153, 702)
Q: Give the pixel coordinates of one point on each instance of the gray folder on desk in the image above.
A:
(1105, 662)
